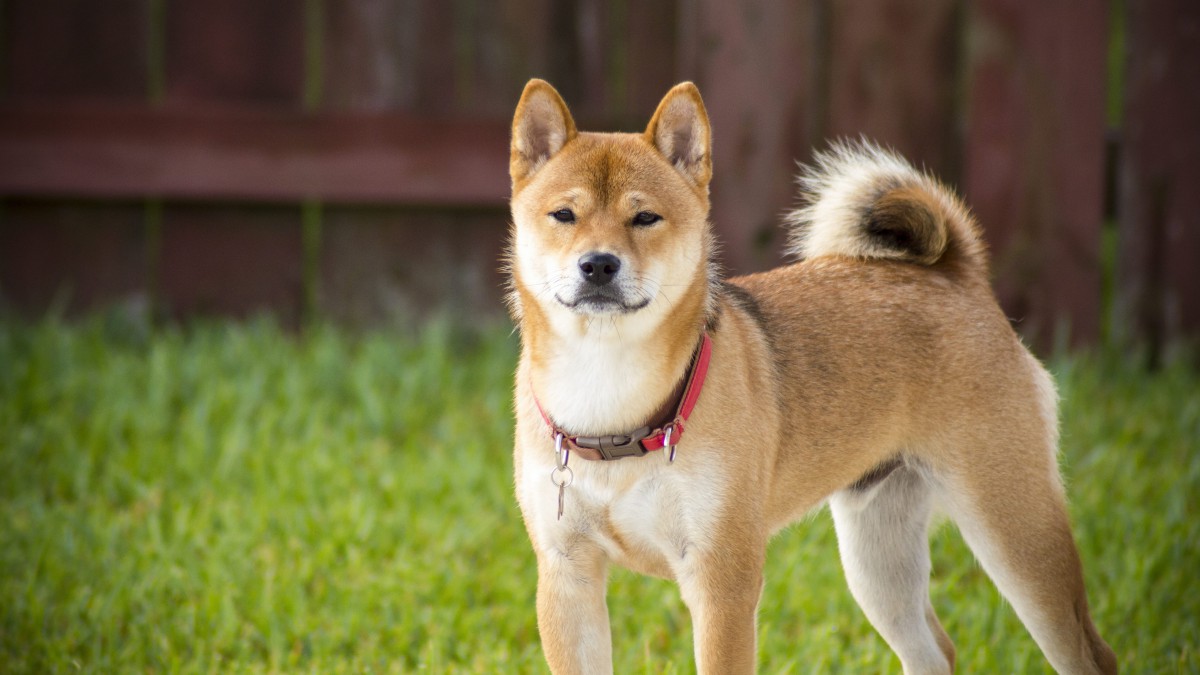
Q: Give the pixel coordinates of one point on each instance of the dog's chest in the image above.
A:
(645, 513)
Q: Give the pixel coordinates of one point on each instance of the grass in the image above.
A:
(230, 498)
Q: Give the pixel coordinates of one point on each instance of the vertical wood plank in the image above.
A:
(85, 255)
(232, 260)
(648, 56)
(372, 54)
(1159, 203)
(592, 31)
(390, 55)
(750, 61)
(398, 264)
(436, 86)
(227, 52)
(75, 49)
(1034, 158)
(528, 42)
(893, 74)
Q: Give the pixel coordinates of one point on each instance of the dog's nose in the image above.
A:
(599, 268)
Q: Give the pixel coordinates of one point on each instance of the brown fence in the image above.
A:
(348, 158)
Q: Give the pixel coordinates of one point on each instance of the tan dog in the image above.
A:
(877, 375)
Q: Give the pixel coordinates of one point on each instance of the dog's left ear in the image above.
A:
(681, 132)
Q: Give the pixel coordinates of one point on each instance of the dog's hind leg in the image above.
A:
(883, 540)
(1010, 509)
(1007, 499)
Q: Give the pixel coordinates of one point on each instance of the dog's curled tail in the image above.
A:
(863, 201)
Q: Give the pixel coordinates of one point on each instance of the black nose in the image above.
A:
(599, 268)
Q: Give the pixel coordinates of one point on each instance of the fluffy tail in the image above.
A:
(862, 201)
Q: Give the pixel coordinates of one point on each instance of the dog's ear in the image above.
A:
(541, 126)
(681, 132)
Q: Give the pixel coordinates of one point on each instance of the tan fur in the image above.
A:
(884, 346)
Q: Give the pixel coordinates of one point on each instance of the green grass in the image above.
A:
(229, 498)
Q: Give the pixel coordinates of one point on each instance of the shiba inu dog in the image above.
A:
(670, 421)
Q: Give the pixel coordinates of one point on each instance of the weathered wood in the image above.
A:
(73, 256)
(578, 32)
(371, 55)
(383, 264)
(116, 153)
(235, 52)
(437, 90)
(488, 75)
(750, 61)
(74, 50)
(231, 261)
(1034, 158)
(646, 59)
(892, 75)
(1159, 202)
(527, 42)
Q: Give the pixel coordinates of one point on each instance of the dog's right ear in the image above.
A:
(541, 126)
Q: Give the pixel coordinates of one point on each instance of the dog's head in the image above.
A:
(609, 225)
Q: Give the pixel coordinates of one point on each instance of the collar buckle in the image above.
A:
(617, 446)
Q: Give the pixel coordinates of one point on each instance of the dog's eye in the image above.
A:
(563, 215)
(644, 218)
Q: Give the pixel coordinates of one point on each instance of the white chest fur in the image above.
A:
(600, 385)
(645, 513)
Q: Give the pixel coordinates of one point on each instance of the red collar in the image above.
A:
(646, 439)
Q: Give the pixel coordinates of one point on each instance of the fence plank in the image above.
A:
(232, 261)
(749, 60)
(235, 52)
(83, 255)
(893, 66)
(250, 155)
(1159, 203)
(372, 55)
(75, 50)
(383, 264)
(1034, 157)
(465, 59)
(647, 59)
(527, 42)
(437, 92)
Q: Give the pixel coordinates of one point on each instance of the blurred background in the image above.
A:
(347, 160)
(186, 487)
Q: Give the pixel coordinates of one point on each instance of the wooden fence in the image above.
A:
(348, 158)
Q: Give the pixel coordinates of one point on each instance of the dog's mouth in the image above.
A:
(602, 301)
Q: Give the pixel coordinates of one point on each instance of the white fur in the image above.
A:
(885, 555)
(1047, 400)
(836, 192)
(667, 510)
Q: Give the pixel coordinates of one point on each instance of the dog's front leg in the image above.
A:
(722, 589)
(572, 612)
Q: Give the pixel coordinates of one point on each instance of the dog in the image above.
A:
(670, 421)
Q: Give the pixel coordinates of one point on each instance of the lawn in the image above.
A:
(234, 498)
